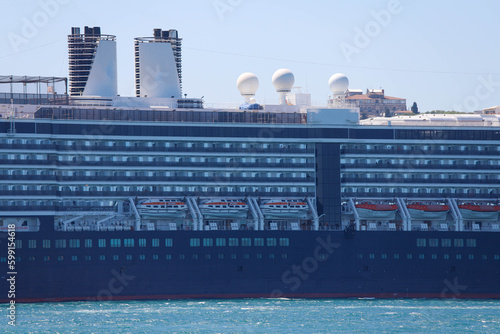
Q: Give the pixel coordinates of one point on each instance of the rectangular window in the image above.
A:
(471, 242)
(182, 257)
(221, 256)
(396, 256)
(434, 256)
(142, 242)
(271, 242)
(284, 242)
(233, 241)
(155, 256)
(259, 256)
(421, 242)
(458, 242)
(19, 244)
(258, 242)
(471, 256)
(46, 258)
(115, 257)
(102, 243)
(271, 256)
(46, 244)
(459, 256)
(445, 242)
(371, 256)
(128, 242)
(360, 256)
(168, 256)
(88, 243)
(60, 243)
(128, 257)
(246, 242)
(208, 242)
(74, 258)
(496, 257)
(155, 242)
(421, 256)
(32, 244)
(102, 257)
(74, 243)
(115, 243)
(88, 257)
(384, 256)
(446, 256)
(194, 242)
(433, 242)
(168, 242)
(409, 256)
(221, 242)
(208, 256)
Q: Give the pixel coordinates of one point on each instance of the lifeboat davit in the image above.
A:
(162, 208)
(428, 211)
(471, 211)
(224, 208)
(284, 208)
(377, 211)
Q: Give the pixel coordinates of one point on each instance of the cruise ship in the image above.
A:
(156, 196)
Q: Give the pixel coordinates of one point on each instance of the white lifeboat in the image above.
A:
(428, 211)
(223, 208)
(285, 208)
(472, 211)
(368, 210)
(162, 208)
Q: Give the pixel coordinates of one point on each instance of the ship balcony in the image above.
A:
(398, 166)
(418, 152)
(400, 180)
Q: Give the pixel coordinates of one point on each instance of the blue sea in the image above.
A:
(259, 316)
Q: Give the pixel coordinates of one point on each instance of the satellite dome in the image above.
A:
(338, 84)
(283, 80)
(247, 83)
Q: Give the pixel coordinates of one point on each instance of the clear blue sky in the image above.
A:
(441, 54)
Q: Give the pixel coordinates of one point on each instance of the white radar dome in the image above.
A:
(283, 80)
(247, 83)
(338, 84)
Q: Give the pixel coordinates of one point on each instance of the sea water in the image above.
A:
(258, 316)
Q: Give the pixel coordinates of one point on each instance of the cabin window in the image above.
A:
(142, 243)
(458, 242)
(284, 242)
(220, 242)
(396, 256)
(434, 256)
(433, 242)
(115, 257)
(471, 242)
(128, 257)
(246, 242)
(128, 242)
(32, 244)
(220, 256)
(258, 242)
(194, 242)
(115, 242)
(155, 242)
(19, 244)
(421, 242)
(168, 256)
(168, 242)
(74, 243)
(208, 242)
(445, 242)
(459, 256)
(61, 243)
(102, 243)
(88, 243)
(46, 243)
(271, 242)
(233, 241)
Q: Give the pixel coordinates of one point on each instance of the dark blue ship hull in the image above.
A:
(294, 264)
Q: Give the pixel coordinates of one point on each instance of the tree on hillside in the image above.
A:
(414, 108)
